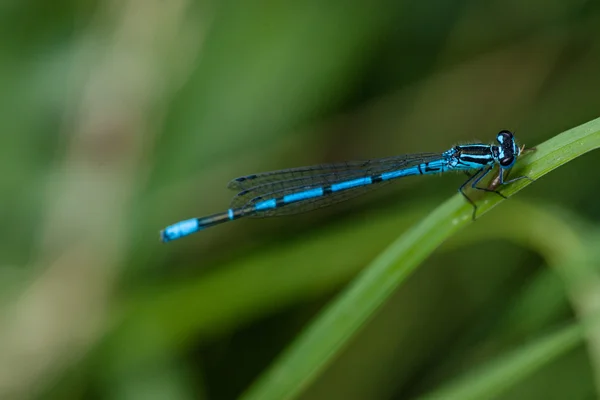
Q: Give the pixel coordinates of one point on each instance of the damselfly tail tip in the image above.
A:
(163, 236)
(179, 229)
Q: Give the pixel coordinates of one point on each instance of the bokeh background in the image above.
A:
(121, 117)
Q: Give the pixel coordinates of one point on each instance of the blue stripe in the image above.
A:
(307, 194)
(180, 229)
(230, 213)
(265, 205)
(351, 184)
(476, 156)
(402, 172)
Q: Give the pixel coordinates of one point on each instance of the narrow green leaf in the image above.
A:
(501, 374)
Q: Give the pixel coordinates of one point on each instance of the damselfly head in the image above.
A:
(508, 151)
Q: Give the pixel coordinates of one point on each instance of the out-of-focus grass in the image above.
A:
(120, 117)
(505, 373)
(578, 268)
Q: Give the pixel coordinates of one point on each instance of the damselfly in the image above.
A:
(296, 190)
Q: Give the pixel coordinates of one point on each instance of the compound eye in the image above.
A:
(504, 137)
(507, 162)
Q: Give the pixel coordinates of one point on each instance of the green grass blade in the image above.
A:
(333, 328)
(497, 376)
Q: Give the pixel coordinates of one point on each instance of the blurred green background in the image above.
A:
(122, 117)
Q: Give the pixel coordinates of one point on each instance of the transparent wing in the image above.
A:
(270, 185)
(380, 164)
(305, 205)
